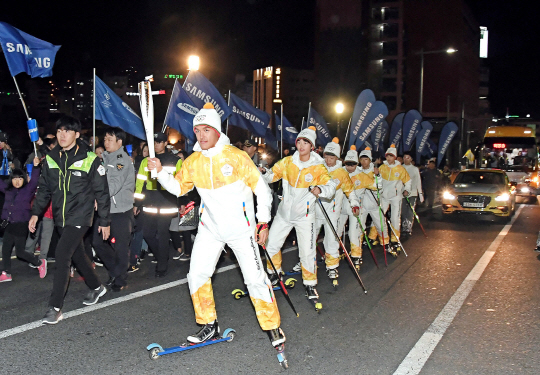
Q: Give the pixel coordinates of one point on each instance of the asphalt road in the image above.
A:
(494, 331)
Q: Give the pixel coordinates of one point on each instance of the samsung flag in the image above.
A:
(422, 138)
(114, 112)
(290, 133)
(25, 53)
(396, 129)
(374, 117)
(363, 104)
(181, 112)
(448, 133)
(377, 137)
(270, 139)
(245, 116)
(411, 126)
(430, 149)
(202, 91)
(314, 119)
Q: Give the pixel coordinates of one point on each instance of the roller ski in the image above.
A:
(209, 334)
(289, 284)
(313, 297)
(296, 270)
(391, 249)
(277, 338)
(333, 275)
(357, 261)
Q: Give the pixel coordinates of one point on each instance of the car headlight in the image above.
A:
(447, 195)
(503, 197)
(525, 190)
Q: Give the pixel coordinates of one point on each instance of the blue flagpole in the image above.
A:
(307, 121)
(228, 103)
(25, 110)
(166, 113)
(282, 130)
(346, 134)
(94, 107)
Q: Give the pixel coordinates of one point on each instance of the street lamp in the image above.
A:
(193, 62)
(339, 110)
(422, 53)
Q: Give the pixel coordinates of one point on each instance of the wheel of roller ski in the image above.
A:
(238, 293)
(318, 306)
(229, 333)
(290, 283)
(335, 283)
(154, 353)
(283, 360)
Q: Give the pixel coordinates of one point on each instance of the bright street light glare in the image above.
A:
(451, 50)
(340, 107)
(193, 62)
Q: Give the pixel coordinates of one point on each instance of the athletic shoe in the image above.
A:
(537, 249)
(52, 316)
(49, 260)
(332, 273)
(72, 271)
(311, 292)
(109, 282)
(4, 276)
(277, 337)
(274, 278)
(133, 268)
(32, 266)
(178, 255)
(207, 332)
(297, 267)
(93, 296)
(154, 261)
(42, 268)
(160, 274)
(184, 257)
(97, 262)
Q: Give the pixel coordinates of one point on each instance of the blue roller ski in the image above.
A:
(156, 350)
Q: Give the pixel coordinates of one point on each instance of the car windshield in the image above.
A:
(480, 178)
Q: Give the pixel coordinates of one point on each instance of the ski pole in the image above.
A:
(416, 216)
(368, 243)
(283, 289)
(395, 234)
(380, 216)
(340, 243)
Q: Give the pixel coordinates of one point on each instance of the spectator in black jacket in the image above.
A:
(73, 178)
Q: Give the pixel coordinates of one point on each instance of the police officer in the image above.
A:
(158, 205)
(120, 173)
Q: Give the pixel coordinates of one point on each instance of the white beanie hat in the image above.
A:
(333, 148)
(391, 150)
(309, 134)
(352, 155)
(208, 116)
(366, 152)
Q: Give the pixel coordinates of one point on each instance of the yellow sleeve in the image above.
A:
(142, 176)
(184, 178)
(322, 176)
(346, 184)
(278, 169)
(178, 165)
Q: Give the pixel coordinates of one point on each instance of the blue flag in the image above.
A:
(245, 116)
(376, 114)
(323, 135)
(363, 104)
(114, 112)
(422, 138)
(430, 149)
(25, 53)
(181, 112)
(411, 126)
(270, 139)
(395, 130)
(290, 133)
(377, 137)
(202, 91)
(448, 133)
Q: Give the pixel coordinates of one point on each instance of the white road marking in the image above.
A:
(115, 301)
(422, 350)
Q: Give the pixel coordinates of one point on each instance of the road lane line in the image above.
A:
(115, 301)
(424, 347)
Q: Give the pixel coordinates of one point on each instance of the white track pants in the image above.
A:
(331, 245)
(306, 235)
(204, 257)
(395, 214)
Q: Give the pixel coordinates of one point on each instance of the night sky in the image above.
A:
(237, 36)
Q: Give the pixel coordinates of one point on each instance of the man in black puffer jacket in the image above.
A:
(74, 179)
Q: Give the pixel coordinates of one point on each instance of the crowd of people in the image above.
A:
(82, 208)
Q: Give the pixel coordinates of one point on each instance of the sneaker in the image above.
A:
(37, 250)
(49, 260)
(154, 261)
(332, 273)
(93, 296)
(207, 332)
(537, 249)
(277, 337)
(184, 257)
(297, 267)
(52, 316)
(357, 261)
(139, 261)
(311, 292)
(178, 255)
(42, 268)
(133, 268)
(109, 282)
(97, 262)
(4, 276)
(72, 271)
(160, 274)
